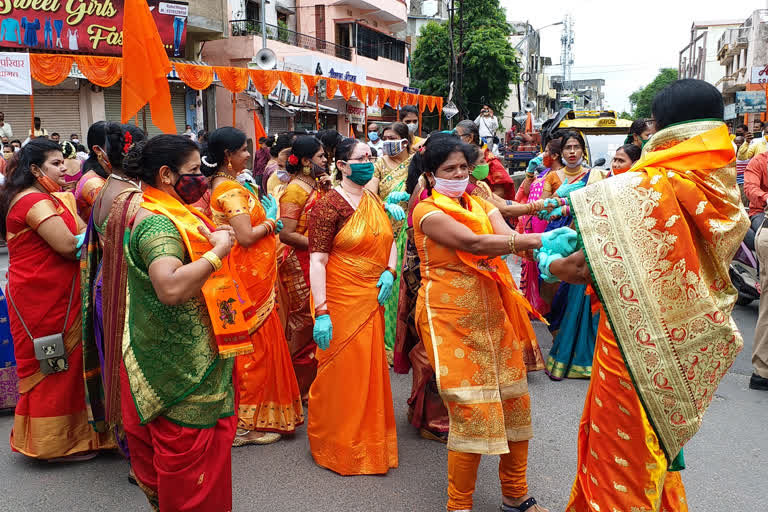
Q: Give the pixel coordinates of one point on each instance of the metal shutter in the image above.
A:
(59, 111)
(112, 108)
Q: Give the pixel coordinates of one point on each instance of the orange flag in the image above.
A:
(258, 128)
(145, 68)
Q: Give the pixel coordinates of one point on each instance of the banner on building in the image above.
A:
(750, 102)
(759, 75)
(411, 90)
(86, 27)
(730, 112)
(355, 112)
(15, 73)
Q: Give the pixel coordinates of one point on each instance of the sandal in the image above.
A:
(241, 439)
(529, 504)
(433, 436)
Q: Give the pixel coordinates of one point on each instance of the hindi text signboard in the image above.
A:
(15, 74)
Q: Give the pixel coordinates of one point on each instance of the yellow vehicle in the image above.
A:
(602, 130)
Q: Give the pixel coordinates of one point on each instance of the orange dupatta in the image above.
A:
(225, 305)
(658, 241)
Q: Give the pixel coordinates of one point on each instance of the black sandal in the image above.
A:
(521, 507)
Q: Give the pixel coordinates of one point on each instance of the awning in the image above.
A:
(310, 107)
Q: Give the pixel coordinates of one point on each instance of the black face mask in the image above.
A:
(191, 187)
(318, 171)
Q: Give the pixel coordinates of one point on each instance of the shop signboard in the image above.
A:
(759, 75)
(411, 90)
(750, 102)
(327, 67)
(355, 112)
(85, 26)
(730, 112)
(15, 74)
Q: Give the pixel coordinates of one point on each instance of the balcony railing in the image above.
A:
(284, 35)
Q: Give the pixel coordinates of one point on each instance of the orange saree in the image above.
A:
(351, 425)
(658, 241)
(269, 395)
(474, 325)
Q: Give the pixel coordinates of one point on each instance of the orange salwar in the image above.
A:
(268, 392)
(351, 425)
(462, 475)
(621, 465)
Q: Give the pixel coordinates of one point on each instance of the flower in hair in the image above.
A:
(293, 160)
(128, 138)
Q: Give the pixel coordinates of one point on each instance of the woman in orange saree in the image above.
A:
(270, 402)
(657, 242)
(351, 425)
(474, 325)
(306, 164)
(41, 228)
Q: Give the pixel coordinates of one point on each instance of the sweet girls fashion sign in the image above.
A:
(85, 26)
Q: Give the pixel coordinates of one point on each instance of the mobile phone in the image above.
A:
(757, 135)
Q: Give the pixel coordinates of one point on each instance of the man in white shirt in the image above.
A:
(488, 124)
(189, 133)
(5, 128)
(374, 141)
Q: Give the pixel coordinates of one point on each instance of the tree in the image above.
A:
(642, 99)
(489, 61)
(626, 115)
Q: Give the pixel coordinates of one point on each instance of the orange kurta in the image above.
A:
(269, 393)
(475, 328)
(351, 424)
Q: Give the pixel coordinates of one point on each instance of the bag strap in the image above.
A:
(66, 317)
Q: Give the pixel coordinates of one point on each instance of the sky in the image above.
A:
(623, 42)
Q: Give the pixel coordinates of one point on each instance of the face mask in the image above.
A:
(283, 176)
(394, 147)
(361, 173)
(643, 142)
(373, 136)
(574, 165)
(317, 171)
(480, 172)
(191, 187)
(412, 127)
(546, 161)
(48, 184)
(451, 188)
(75, 141)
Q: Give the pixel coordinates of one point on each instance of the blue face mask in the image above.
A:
(361, 172)
(373, 136)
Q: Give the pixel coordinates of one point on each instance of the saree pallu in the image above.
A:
(85, 192)
(529, 276)
(269, 398)
(621, 465)
(474, 326)
(51, 419)
(393, 180)
(9, 391)
(574, 329)
(293, 277)
(658, 241)
(351, 425)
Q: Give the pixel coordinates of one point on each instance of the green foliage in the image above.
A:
(642, 99)
(626, 115)
(490, 61)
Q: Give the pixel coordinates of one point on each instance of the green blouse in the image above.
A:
(172, 360)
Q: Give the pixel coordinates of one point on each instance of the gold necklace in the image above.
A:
(572, 173)
(375, 231)
(312, 184)
(223, 175)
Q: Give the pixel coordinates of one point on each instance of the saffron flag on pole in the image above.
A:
(145, 68)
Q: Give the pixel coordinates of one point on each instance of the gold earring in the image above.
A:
(307, 170)
(229, 166)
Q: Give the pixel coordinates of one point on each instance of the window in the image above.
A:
(253, 10)
(373, 44)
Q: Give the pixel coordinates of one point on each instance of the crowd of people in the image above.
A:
(170, 302)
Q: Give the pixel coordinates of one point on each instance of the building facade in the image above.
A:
(743, 55)
(699, 57)
(350, 39)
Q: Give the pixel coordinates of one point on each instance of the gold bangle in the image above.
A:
(511, 243)
(392, 271)
(214, 260)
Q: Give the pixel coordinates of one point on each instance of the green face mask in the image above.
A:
(480, 172)
(361, 172)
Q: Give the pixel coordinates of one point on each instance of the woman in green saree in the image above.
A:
(391, 171)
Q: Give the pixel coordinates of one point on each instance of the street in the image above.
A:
(723, 472)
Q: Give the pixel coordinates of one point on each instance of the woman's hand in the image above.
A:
(325, 182)
(386, 281)
(395, 211)
(270, 206)
(397, 197)
(573, 269)
(222, 239)
(562, 241)
(322, 332)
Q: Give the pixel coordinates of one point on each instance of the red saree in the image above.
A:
(51, 418)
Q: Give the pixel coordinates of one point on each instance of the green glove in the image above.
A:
(323, 331)
(395, 211)
(397, 197)
(545, 260)
(80, 240)
(534, 163)
(563, 241)
(278, 227)
(386, 280)
(270, 206)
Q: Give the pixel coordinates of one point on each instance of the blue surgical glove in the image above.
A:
(554, 214)
(278, 227)
(386, 280)
(396, 197)
(545, 260)
(323, 331)
(554, 203)
(80, 241)
(562, 241)
(566, 188)
(270, 206)
(534, 163)
(395, 211)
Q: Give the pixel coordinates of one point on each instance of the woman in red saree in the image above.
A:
(43, 234)
(351, 425)
(270, 402)
(306, 164)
